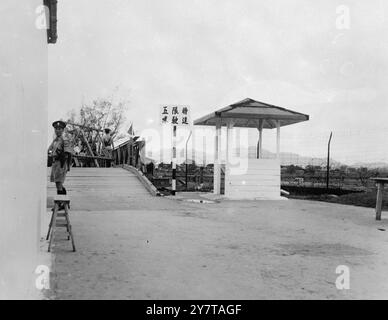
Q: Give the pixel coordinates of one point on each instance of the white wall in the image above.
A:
(23, 123)
(259, 180)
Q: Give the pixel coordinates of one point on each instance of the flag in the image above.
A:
(130, 131)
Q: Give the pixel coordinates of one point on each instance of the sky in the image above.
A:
(328, 59)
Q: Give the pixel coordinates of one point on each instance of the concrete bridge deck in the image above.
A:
(135, 246)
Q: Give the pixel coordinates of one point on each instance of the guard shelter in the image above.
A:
(261, 179)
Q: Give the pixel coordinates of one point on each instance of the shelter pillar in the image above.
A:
(217, 159)
(260, 142)
(229, 128)
(193, 143)
(277, 139)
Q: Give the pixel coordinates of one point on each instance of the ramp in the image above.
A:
(101, 188)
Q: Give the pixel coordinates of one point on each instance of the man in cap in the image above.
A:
(108, 143)
(60, 151)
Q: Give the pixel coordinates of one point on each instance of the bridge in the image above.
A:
(102, 188)
(134, 245)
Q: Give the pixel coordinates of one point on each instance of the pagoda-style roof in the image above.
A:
(248, 113)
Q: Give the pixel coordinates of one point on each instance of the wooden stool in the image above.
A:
(58, 201)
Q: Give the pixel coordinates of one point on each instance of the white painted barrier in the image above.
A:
(261, 180)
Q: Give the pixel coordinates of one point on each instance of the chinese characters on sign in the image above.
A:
(175, 115)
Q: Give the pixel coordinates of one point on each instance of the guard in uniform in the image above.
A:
(108, 143)
(60, 151)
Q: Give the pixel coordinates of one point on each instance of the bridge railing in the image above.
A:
(91, 161)
(130, 153)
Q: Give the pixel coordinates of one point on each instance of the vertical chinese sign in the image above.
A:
(174, 115)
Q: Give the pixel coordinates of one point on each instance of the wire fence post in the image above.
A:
(328, 163)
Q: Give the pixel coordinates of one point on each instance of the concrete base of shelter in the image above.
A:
(218, 197)
(223, 197)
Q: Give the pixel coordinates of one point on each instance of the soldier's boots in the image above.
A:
(63, 191)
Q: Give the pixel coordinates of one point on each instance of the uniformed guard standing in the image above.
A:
(108, 143)
(60, 151)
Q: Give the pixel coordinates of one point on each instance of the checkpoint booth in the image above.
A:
(261, 177)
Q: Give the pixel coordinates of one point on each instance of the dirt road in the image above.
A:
(135, 246)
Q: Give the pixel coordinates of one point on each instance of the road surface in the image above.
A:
(132, 245)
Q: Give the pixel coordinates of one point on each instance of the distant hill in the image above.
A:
(371, 165)
(288, 158)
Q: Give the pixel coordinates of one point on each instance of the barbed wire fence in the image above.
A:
(355, 156)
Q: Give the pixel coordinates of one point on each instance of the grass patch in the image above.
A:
(362, 199)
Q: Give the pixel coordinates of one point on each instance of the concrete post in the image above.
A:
(217, 159)
(277, 139)
(260, 142)
(228, 153)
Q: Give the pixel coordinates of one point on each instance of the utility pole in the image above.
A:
(328, 162)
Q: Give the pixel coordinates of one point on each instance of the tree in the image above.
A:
(291, 169)
(100, 114)
(364, 175)
(311, 169)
